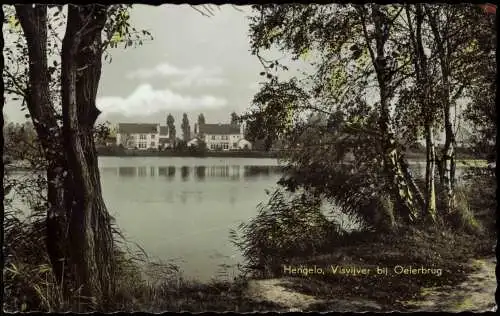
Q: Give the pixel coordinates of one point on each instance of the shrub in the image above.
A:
(283, 228)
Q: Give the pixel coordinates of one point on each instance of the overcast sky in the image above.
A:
(194, 64)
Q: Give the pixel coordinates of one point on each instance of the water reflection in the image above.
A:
(200, 172)
(142, 172)
(227, 172)
(126, 171)
(196, 173)
(185, 173)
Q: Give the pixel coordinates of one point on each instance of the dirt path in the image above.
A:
(278, 291)
(476, 294)
(275, 290)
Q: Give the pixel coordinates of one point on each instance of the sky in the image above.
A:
(194, 64)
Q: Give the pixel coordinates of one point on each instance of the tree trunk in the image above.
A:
(2, 140)
(427, 109)
(430, 188)
(33, 21)
(447, 161)
(394, 170)
(91, 232)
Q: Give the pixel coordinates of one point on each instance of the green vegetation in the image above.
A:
(68, 254)
(404, 218)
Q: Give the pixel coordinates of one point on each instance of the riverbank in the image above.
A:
(444, 255)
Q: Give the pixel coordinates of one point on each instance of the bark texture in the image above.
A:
(79, 235)
(33, 21)
(90, 224)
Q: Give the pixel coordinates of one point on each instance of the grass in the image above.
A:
(30, 286)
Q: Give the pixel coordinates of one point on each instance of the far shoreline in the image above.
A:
(189, 154)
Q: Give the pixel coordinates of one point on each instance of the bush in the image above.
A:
(284, 228)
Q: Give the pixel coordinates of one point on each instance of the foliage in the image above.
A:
(185, 127)
(171, 127)
(201, 119)
(118, 32)
(234, 118)
(330, 117)
(344, 45)
(481, 111)
(284, 227)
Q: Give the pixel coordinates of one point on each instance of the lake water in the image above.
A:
(182, 209)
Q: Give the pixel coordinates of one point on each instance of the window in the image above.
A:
(153, 136)
(153, 144)
(225, 137)
(142, 136)
(235, 145)
(213, 137)
(212, 146)
(142, 145)
(226, 145)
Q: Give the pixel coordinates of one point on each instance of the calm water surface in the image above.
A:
(183, 208)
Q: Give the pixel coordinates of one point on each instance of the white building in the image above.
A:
(141, 136)
(221, 136)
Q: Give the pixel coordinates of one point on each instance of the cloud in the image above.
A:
(146, 101)
(197, 76)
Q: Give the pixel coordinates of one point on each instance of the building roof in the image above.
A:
(219, 129)
(163, 130)
(137, 128)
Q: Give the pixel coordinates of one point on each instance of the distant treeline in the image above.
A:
(121, 152)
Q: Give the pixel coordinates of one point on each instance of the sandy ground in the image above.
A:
(476, 294)
(274, 290)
